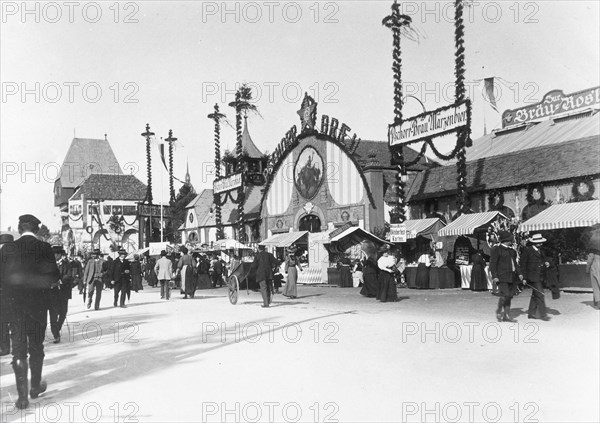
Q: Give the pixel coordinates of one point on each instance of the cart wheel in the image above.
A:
(234, 288)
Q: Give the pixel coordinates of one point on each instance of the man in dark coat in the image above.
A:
(533, 265)
(505, 273)
(28, 271)
(263, 265)
(95, 269)
(61, 294)
(120, 277)
(4, 306)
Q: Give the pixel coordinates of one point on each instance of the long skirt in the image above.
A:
(136, 283)
(204, 281)
(188, 284)
(290, 286)
(371, 285)
(478, 278)
(387, 292)
(422, 278)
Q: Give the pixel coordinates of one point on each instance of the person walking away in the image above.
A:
(27, 273)
(135, 267)
(92, 277)
(593, 269)
(423, 268)
(185, 268)
(370, 288)
(204, 280)
(291, 268)
(109, 271)
(152, 278)
(120, 278)
(62, 293)
(4, 305)
(164, 273)
(217, 272)
(478, 274)
(263, 265)
(77, 274)
(505, 273)
(533, 265)
(387, 278)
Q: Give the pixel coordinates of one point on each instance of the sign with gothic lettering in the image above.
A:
(227, 183)
(554, 103)
(431, 124)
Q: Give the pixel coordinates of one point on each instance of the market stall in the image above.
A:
(567, 218)
(474, 225)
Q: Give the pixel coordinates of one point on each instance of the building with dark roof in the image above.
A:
(98, 202)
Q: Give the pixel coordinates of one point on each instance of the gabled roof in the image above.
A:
(87, 156)
(205, 208)
(248, 146)
(384, 157)
(541, 164)
(110, 187)
(534, 135)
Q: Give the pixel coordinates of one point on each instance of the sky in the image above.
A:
(87, 69)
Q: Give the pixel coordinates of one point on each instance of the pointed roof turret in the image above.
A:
(248, 145)
(188, 179)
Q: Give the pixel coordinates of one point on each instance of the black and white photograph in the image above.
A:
(300, 211)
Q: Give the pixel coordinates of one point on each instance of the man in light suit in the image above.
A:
(506, 273)
(533, 265)
(263, 265)
(92, 278)
(28, 272)
(164, 273)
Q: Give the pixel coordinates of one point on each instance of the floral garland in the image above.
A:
(529, 196)
(492, 205)
(576, 195)
(116, 223)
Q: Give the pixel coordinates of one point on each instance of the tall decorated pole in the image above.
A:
(171, 140)
(147, 135)
(216, 116)
(239, 153)
(463, 135)
(396, 22)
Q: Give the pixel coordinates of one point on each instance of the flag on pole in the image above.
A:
(489, 92)
(161, 150)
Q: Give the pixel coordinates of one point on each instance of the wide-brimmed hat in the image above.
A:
(122, 252)
(506, 236)
(537, 239)
(5, 238)
(97, 252)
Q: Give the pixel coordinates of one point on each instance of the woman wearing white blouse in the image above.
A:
(387, 280)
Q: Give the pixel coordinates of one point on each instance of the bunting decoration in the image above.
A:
(216, 116)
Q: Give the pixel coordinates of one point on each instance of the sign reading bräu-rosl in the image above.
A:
(227, 183)
(554, 103)
(397, 232)
(432, 124)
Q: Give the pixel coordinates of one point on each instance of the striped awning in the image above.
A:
(283, 240)
(562, 216)
(422, 226)
(466, 224)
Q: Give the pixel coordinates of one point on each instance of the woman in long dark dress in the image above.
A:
(204, 281)
(186, 267)
(478, 274)
(370, 274)
(422, 278)
(387, 278)
(291, 268)
(135, 270)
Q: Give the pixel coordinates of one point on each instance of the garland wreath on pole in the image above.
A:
(399, 24)
(171, 140)
(147, 135)
(216, 116)
(464, 135)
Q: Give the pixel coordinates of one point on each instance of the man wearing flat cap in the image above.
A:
(4, 306)
(120, 277)
(505, 273)
(533, 265)
(28, 273)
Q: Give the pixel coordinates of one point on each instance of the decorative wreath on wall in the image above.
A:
(495, 200)
(587, 194)
(530, 198)
(116, 223)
